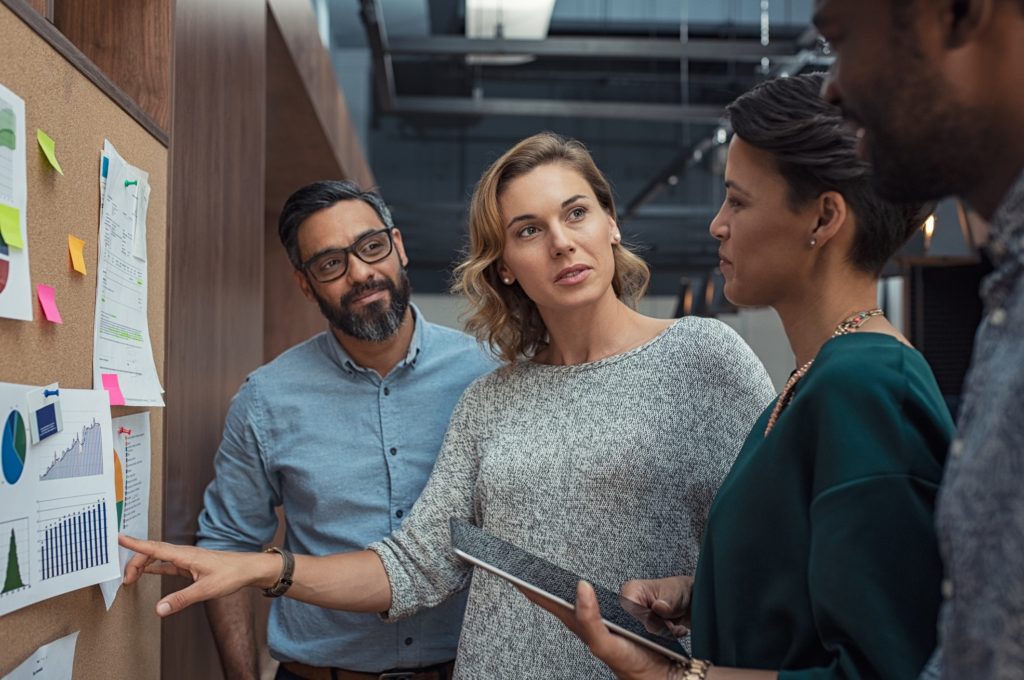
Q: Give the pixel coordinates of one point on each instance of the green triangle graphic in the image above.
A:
(13, 579)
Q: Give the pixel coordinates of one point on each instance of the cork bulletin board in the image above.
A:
(59, 99)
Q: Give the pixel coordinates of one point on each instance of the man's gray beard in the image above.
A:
(378, 321)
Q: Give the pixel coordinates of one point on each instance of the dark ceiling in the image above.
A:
(641, 82)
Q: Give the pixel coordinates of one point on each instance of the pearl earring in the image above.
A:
(508, 281)
(814, 242)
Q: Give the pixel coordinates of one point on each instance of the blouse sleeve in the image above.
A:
(421, 567)
(874, 570)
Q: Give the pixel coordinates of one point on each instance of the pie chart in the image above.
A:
(12, 447)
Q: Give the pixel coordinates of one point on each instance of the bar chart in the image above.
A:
(73, 537)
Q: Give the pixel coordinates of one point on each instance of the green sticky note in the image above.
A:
(47, 144)
(10, 226)
(7, 121)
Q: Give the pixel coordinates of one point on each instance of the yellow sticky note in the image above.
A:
(47, 144)
(10, 226)
(75, 245)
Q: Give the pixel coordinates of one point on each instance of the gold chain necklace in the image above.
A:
(845, 327)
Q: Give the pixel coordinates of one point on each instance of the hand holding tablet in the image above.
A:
(556, 585)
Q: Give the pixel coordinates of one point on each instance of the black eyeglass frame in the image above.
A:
(349, 250)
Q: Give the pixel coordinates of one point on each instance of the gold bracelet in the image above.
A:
(694, 669)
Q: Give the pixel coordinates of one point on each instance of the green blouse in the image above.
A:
(820, 555)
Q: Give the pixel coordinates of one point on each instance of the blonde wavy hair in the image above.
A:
(503, 316)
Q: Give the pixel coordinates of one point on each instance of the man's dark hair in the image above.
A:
(815, 151)
(315, 197)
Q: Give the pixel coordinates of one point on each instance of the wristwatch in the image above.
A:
(284, 581)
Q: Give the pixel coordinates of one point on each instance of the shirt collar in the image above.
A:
(1007, 227)
(1006, 246)
(415, 346)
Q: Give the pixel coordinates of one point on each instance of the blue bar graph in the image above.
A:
(75, 542)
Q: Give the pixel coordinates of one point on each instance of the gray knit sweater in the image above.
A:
(606, 469)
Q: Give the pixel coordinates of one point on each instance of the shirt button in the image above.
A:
(998, 316)
(947, 588)
(408, 641)
(956, 448)
(393, 450)
(387, 391)
(398, 514)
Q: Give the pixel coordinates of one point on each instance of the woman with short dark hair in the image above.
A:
(820, 558)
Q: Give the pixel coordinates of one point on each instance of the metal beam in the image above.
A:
(596, 48)
(376, 35)
(466, 106)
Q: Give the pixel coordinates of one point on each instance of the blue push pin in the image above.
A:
(51, 393)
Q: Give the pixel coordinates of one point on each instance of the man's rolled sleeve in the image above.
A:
(238, 505)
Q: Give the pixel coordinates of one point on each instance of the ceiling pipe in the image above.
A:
(390, 102)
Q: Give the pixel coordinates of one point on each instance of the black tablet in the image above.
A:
(551, 582)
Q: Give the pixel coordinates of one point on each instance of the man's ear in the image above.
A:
(304, 285)
(832, 214)
(963, 20)
(396, 236)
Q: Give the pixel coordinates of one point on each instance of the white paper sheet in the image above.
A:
(58, 510)
(15, 282)
(52, 661)
(122, 344)
(132, 444)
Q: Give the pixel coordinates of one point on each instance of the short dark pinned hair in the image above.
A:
(315, 197)
(815, 151)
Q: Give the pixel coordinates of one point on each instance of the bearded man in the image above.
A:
(341, 430)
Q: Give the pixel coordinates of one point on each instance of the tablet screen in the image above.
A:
(548, 580)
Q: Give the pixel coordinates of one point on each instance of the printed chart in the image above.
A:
(132, 458)
(73, 535)
(58, 502)
(15, 286)
(84, 457)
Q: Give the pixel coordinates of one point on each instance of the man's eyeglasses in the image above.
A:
(333, 264)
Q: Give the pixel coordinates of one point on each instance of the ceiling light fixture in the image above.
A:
(509, 20)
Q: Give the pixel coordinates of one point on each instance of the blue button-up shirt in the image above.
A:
(981, 503)
(346, 453)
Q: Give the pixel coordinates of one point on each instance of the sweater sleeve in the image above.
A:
(874, 567)
(421, 567)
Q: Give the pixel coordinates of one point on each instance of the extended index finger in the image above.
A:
(145, 553)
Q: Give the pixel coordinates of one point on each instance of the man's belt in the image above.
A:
(441, 671)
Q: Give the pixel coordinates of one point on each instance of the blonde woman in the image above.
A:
(606, 432)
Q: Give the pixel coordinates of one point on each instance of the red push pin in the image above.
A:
(124, 430)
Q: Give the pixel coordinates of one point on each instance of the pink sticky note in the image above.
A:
(113, 388)
(48, 302)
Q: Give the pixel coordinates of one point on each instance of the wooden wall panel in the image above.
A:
(132, 47)
(215, 308)
(44, 7)
(309, 138)
(297, 27)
